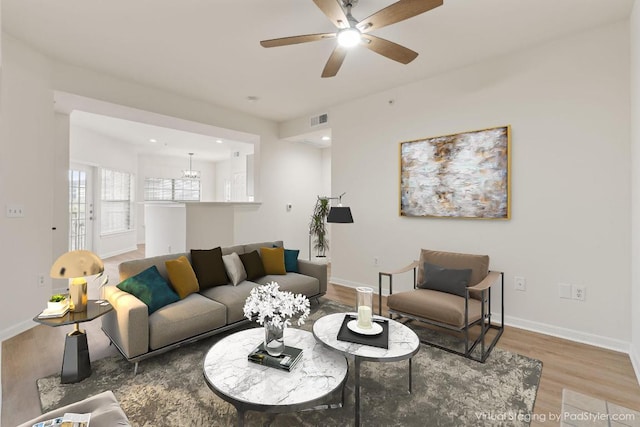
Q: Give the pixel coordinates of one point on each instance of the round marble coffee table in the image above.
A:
(248, 386)
(403, 345)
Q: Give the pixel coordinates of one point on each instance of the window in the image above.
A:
(166, 189)
(117, 201)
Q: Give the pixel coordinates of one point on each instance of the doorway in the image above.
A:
(81, 207)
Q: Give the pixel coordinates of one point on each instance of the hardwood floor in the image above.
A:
(586, 369)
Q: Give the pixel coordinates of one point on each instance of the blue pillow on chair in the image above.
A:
(150, 288)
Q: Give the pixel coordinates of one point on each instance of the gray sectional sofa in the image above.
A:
(138, 335)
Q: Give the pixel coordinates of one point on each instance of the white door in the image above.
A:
(81, 207)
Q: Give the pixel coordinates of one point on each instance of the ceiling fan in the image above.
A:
(352, 32)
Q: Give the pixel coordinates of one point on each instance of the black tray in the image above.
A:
(380, 340)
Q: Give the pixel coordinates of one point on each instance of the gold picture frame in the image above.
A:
(463, 175)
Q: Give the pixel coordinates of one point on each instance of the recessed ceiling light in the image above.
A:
(153, 140)
(252, 98)
(219, 141)
(326, 138)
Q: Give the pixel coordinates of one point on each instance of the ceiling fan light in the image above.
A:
(349, 37)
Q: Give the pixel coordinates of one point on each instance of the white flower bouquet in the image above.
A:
(274, 306)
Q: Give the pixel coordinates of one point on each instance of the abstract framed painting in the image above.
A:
(464, 175)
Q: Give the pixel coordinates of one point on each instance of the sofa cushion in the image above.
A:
(150, 288)
(182, 278)
(256, 246)
(273, 260)
(189, 317)
(133, 267)
(452, 281)
(294, 282)
(239, 249)
(233, 297)
(235, 268)
(291, 260)
(434, 305)
(253, 265)
(209, 267)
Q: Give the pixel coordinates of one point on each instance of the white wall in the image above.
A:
(27, 147)
(284, 172)
(94, 149)
(291, 173)
(568, 104)
(209, 225)
(635, 187)
(167, 225)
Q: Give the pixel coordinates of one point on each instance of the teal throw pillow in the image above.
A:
(290, 260)
(150, 288)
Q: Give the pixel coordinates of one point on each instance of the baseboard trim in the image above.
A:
(568, 334)
(118, 252)
(16, 329)
(539, 327)
(635, 360)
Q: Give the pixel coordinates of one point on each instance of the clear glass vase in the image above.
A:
(274, 339)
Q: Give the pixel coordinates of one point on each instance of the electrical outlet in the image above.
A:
(519, 283)
(40, 280)
(376, 261)
(578, 292)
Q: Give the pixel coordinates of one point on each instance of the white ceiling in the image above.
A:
(167, 142)
(210, 49)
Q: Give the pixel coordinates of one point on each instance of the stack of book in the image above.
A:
(286, 361)
(48, 313)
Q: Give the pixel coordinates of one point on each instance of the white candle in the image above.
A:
(364, 317)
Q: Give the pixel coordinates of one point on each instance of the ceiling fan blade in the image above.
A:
(399, 11)
(285, 41)
(335, 62)
(334, 12)
(389, 49)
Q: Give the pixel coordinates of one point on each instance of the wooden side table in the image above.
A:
(76, 365)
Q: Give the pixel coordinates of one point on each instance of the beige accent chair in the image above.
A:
(447, 310)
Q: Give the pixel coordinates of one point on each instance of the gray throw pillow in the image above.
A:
(235, 269)
(446, 280)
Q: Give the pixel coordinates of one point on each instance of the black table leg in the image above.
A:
(357, 391)
(75, 362)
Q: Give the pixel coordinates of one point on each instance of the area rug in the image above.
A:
(448, 390)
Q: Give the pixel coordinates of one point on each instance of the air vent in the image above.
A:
(319, 120)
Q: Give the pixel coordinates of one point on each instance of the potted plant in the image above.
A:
(57, 302)
(318, 226)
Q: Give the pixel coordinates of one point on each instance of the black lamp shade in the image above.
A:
(340, 214)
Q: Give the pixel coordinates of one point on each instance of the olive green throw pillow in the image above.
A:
(253, 265)
(209, 267)
(273, 260)
(150, 288)
(182, 277)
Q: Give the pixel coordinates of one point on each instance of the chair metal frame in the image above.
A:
(484, 321)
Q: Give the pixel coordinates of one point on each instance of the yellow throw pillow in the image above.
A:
(273, 260)
(182, 277)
